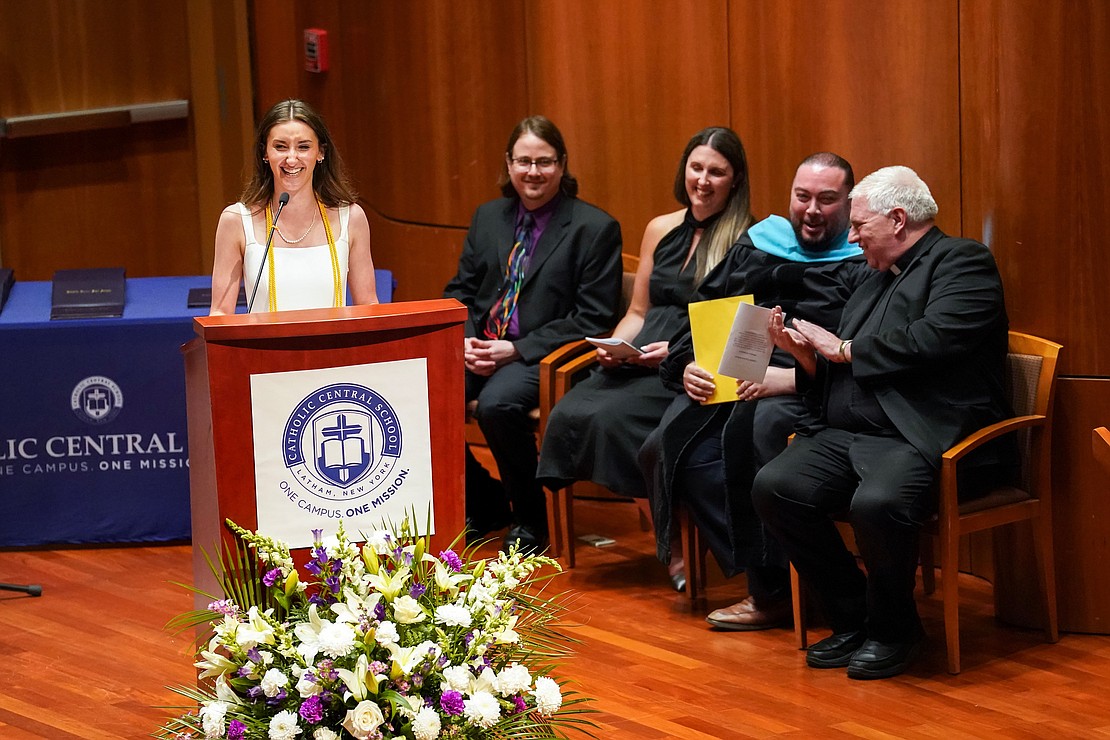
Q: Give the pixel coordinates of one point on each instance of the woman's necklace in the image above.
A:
(337, 281)
(287, 240)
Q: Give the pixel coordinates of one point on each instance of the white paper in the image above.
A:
(618, 348)
(748, 349)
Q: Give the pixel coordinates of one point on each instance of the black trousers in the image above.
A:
(714, 478)
(886, 488)
(505, 400)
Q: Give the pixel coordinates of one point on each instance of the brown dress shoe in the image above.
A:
(748, 616)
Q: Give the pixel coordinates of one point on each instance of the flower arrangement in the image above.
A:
(378, 641)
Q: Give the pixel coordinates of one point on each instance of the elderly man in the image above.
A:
(916, 364)
(539, 268)
(704, 457)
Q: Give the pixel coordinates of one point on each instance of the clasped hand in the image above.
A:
(483, 356)
(803, 339)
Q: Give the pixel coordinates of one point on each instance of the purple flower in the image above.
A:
(312, 710)
(271, 576)
(317, 535)
(519, 703)
(312, 567)
(452, 702)
(417, 590)
(451, 560)
(236, 730)
(224, 606)
(254, 655)
(378, 667)
(379, 611)
(333, 584)
(255, 693)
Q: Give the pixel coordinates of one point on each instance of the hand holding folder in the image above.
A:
(710, 324)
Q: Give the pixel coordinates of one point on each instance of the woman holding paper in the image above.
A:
(297, 239)
(595, 431)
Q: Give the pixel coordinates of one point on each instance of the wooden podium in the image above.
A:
(229, 350)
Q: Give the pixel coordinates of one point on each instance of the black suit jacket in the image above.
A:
(573, 284)
(931, 342)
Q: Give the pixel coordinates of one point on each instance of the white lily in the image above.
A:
(360, 682)
(389, 586)
(214, 664)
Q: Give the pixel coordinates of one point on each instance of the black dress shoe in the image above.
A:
(528, 540)
(835, 651)
(877, 659)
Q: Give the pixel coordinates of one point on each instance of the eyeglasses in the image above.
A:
(543, 164)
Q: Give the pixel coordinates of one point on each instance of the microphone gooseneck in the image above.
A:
(282, 200)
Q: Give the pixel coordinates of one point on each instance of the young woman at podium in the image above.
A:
(296, 238)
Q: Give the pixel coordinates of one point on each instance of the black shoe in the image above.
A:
(528, 540)
(478, 528)
(835, 651)
(877, 659)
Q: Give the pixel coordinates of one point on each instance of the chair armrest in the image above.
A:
(978, 438)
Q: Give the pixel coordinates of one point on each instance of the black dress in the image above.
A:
(595, 431)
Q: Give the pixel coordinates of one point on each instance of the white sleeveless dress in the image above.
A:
(303, 274)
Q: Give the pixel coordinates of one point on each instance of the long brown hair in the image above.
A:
(737, 213)
(329, 178)
(542, 128)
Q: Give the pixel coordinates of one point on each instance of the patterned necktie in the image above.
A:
(502, 312)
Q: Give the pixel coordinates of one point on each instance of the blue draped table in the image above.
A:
(93, 445)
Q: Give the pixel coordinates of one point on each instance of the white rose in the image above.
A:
(363, 719)
(323, 733)
(406, 610)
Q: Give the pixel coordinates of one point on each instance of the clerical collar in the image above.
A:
(704, 223)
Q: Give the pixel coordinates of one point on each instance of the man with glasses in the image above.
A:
(539, 268)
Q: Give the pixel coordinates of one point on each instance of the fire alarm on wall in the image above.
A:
(316, 50)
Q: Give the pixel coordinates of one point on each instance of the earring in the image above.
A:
(265, 160)
(320, 160)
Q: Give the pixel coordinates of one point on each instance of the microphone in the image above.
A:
(282, 200)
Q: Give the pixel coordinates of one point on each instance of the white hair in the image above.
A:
(897, 187)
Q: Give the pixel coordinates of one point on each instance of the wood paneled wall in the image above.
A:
(144, 196)
(1035, 122)
(98, 198)
(1003, 106)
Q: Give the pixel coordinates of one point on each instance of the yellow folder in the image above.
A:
(710, 323)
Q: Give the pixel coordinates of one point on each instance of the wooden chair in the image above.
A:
(558, 373)
(1031, 381)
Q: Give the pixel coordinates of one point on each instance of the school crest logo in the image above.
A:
(342, 441)
(96, 400)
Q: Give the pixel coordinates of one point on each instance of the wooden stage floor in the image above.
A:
(91, 658)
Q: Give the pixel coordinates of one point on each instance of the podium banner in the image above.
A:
(350, 443)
